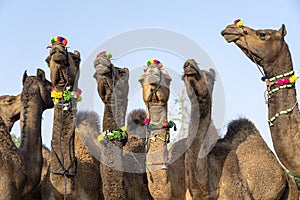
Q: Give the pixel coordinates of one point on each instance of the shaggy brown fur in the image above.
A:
(269, 50)
(21, 168)
(88, 180)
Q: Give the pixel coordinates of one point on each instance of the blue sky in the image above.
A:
(28, 26)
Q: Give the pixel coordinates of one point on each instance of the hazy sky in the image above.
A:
(28, 26)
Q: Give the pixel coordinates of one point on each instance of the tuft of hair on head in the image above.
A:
(136, 117)
(90, 117)
(241, 125)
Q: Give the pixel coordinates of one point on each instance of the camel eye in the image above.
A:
(262, 36)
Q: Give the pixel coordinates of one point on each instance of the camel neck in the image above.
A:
(31, 141)
(285, 128)
(199, 125)
(281, 63)
(114, 115)
(62, 153)
(282, 99)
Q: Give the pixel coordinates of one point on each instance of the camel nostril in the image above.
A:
(245, 32)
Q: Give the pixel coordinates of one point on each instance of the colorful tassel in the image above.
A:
(238, 22)
(60, 39)
(153, 61)
(108, 54)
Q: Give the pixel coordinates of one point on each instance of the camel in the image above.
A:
(134, 157)
(36, 193)
(88, 166)
(67, 176)
(155, 84)
(112, 85)
(21, 167)
(238, 166)
(268, 49)
(10, 109)
(134, 165)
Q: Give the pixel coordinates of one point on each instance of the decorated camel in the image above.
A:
(161, 171)
(10, 109)
(67, 176)
(135, 161)
(238, 166)
(112, 84)
(268, 49)
(21, 167)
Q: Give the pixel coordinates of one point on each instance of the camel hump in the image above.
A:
(89, 117)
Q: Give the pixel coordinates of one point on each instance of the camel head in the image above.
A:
(155, 83)
(10, 109)
(136, 124)
(265, 47)
(38, 88)
(110, 78)
(64, 65)
(199, 83)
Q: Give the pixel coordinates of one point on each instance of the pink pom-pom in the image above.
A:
(236, 21)
(286, 80)
(79, 91)
(51, 90)
(280, 82)
(147, 121)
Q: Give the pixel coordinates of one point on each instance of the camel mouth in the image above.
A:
(231, 33)
(231, 37)
(190, 70)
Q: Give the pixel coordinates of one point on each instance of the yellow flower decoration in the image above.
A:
(56, 95)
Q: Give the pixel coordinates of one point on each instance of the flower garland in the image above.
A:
(155, 126)
(283, 81)
(121, 135)
(284, 112)
(62, 98)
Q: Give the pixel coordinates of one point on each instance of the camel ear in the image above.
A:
(77, 53)
(141, 79)
(24, 77)
(41, 74)
(282, 31)
(212, 73)
(48, 60)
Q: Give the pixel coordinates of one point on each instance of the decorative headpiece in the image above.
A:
(238, 22)
(60, 39)
(108, 54)
(152, 61)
